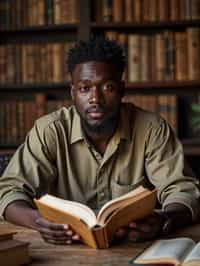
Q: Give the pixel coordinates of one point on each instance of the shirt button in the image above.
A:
(102, 194)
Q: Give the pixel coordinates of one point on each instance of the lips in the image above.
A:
(96, 113)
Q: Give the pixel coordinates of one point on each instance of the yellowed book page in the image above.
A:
(74, 208)
(114, 204)
(168, 251)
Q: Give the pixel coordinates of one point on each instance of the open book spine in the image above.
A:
(62, 217)
(101, 237)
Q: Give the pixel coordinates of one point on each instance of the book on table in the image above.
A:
(98, 231)
(13, 252)
(182, 251)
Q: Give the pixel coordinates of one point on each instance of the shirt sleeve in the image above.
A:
(31, 170)
(166, 169)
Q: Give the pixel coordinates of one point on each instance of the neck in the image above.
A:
(100, 140)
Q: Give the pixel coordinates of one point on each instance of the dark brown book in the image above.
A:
(181, 64)
(128, 10)
(107, 12)
(118, 10)
(14, 252)
(193, 40)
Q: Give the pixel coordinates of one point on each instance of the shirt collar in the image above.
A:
(76, 132)
(123, 130)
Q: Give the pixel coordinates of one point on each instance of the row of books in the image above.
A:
(24, 63)
(25, 13)
(18, 116)
(165, 55)
(145, 10)
(164, 105)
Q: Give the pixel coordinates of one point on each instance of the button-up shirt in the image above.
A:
(57, 158)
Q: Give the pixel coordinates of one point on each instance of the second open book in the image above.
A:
(182, 251)
(98, 231)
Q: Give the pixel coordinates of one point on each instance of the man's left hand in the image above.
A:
(141, 230)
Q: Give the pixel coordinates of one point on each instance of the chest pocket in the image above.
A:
(118, 189)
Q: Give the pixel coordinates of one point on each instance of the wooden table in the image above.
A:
(53, 255)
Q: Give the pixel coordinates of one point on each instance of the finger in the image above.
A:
(134, 235)
(144, 227)
(56, 239)
(121, 232)
(58, 242)
(51, 225)
(76, 237)
(52, 233)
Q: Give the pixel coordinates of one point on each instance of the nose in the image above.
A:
(95, 95)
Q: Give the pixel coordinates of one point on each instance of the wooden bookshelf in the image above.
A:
(82, 30)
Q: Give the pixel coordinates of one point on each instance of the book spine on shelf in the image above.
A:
(118, 10)
(193, 40)
(107, 15)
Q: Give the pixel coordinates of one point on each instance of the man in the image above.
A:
(97, 150)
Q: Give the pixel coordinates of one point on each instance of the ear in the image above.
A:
(72, 91)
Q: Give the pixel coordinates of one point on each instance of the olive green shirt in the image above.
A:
(58, 159)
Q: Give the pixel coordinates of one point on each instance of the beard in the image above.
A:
(103, 128)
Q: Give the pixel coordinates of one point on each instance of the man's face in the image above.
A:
(97, 92)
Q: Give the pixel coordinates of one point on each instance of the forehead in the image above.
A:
(94, 71)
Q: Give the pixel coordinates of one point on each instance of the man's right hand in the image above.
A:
(20, 213)
(56, 233)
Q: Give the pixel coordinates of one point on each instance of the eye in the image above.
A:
(110, 87)
(84, 88)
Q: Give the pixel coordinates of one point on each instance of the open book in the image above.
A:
(176, 251)
(98, 231)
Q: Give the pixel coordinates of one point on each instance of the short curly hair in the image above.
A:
(98, 49)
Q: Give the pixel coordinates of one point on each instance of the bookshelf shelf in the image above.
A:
(45, 28)
(177, 87)
(174, 25)
(148, 86)
(40, 33)
(34, 87)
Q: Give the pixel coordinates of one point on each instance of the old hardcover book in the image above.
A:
(181, 251)
(6, 234)
(118, 10)
(181, 64)
(12, 252)
(107, 12)
(98, 231)
(193, 39)
(134, 52)
(128, 11)
(159, 57)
